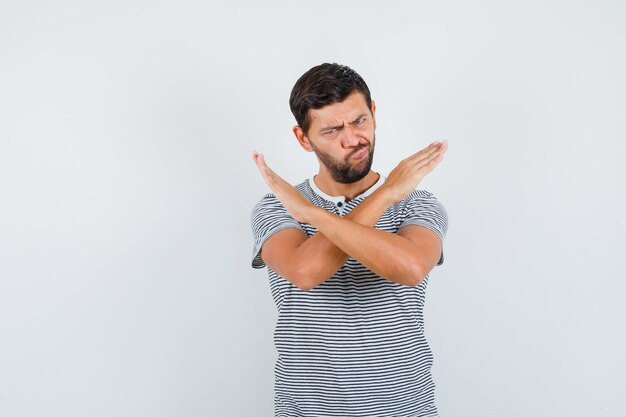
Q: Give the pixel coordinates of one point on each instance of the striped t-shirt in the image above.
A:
(353, 346)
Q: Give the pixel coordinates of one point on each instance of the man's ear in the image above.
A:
(302, 139)
(374, 113)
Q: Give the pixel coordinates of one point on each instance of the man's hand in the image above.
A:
(296, 205)
(409, 173)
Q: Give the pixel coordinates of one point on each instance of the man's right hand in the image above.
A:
(405, 177)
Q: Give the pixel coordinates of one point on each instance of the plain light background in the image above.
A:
(126, 186)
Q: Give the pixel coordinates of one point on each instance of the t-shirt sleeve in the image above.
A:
(423, 209)
(268, 217)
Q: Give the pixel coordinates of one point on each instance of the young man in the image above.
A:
(348, 254)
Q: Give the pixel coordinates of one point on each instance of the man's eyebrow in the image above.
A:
(323, 129)
(360, 116)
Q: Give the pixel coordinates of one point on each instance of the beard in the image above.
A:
(344, 172)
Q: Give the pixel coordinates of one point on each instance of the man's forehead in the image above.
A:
(353, 106)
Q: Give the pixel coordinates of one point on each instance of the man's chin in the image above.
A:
(352, 177)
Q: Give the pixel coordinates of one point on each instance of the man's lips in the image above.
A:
(358, 155)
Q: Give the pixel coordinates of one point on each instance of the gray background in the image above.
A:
(126, 186)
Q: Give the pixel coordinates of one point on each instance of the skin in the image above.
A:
(341, 131)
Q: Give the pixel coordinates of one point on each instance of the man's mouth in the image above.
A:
(360, 154)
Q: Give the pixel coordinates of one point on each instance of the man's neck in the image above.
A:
(331, 187)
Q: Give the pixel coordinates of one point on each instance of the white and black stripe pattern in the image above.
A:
(354, 346)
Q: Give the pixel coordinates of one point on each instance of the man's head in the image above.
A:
(336, 120)
(323, 85)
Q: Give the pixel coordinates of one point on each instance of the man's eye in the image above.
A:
(359, 121)
(331, 131)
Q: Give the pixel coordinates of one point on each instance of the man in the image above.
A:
(348, 256)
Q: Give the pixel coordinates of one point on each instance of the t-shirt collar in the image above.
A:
(342, 199)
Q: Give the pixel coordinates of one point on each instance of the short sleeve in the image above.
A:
(423, 209)
(268, 217)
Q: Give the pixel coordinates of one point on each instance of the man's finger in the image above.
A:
(425, 152)
(262, 166)
(435, 150)
(256, 157)
(420, 160)
(271, 175)
(431, 164)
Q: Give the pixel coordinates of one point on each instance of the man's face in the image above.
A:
(342, 136)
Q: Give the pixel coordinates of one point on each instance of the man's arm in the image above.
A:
(307, 262)
(404, 258)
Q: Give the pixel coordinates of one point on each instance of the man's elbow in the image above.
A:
(416, 274)
(305, 279)
(302, 282)
(305, 284)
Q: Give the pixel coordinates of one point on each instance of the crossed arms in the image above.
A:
(405, 257)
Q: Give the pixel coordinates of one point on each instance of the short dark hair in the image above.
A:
(323, 85)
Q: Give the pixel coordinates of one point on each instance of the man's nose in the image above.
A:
(349, 138)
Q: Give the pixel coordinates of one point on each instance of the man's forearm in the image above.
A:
(389, 255)
(321, 256)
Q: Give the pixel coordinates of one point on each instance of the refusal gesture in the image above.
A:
(403, 179)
